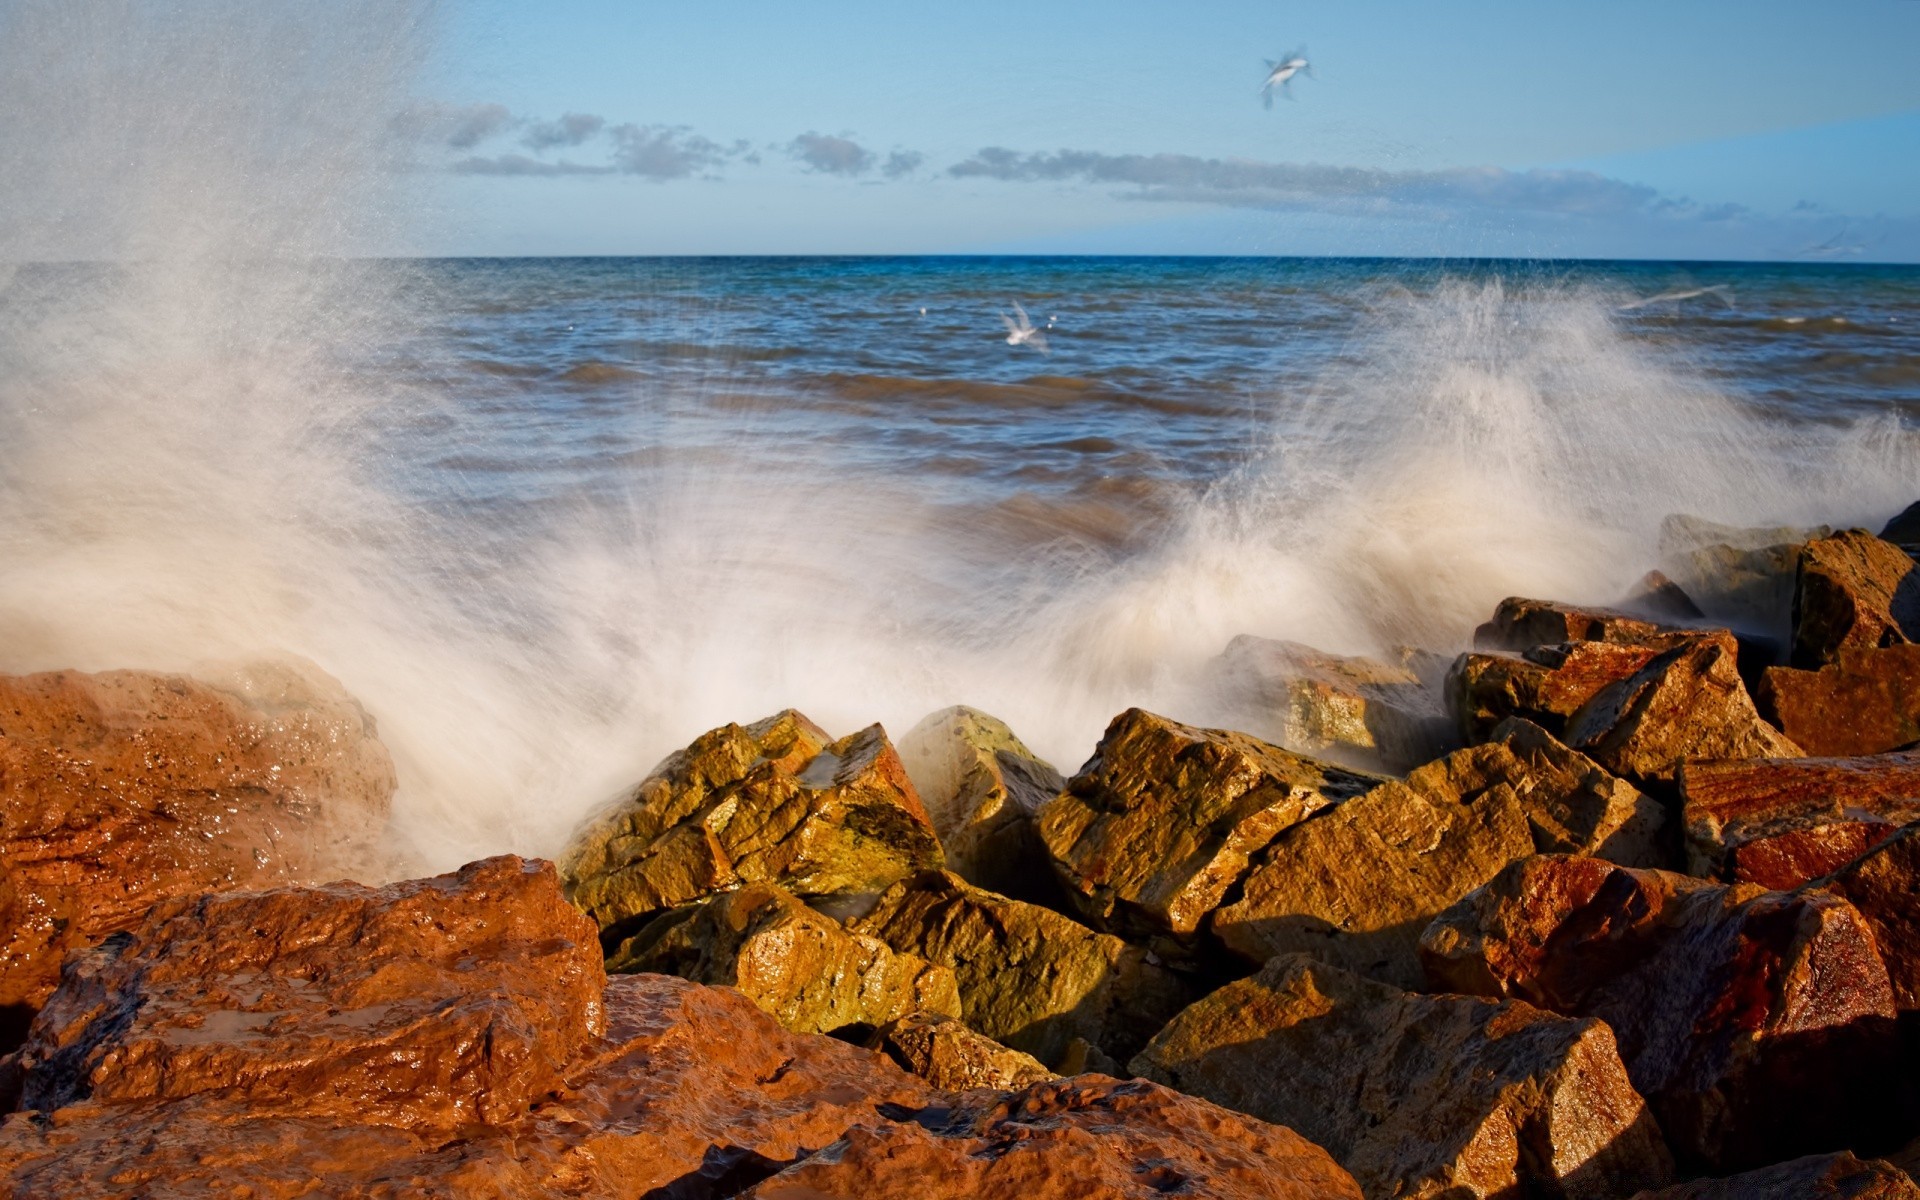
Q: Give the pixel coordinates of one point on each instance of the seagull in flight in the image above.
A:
(1280, 73)
(1021, 331)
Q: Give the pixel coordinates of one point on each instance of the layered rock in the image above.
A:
(1028, 977)
(798, 965)
(982, 787)
(1882, 884)
(1758, 1023)
(450, 1037)
(1545, 685)
(1356, 885)
(1355, 710)
(1161, 822)
(777, 801)
(1863, 702)
(1688, 702)
(1069, 1139)
(1816, 1177)
(1418, 1096)
(1853, 592)
(126, 788)
(1782, 822)
(1521, 624)
(951, 1057)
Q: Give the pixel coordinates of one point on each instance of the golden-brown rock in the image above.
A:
(1759, 1024)
(1418, 1096)
(1521, 624)
(982, 787)
(798, 965)
(1780, 822)
(1863, 702)
(1353, 710)
(953, 1058)
(772, 802)
(125, 788)
(1028, 976)
(1853, 592)
(1068, 1140)
(1160, 823)
(1545, 685)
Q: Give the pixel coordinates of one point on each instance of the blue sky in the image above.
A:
(1698, 129)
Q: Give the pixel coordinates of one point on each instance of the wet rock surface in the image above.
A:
(1782, 822)
(1353, 710)
(1545, 685)
(778, 801)
(1028, 977)
(1418, 1096)
(1759, 1024)
(798, 965)
(1864, 702)
(125, 788)
(1884, 884)
(1853, 592)
(1162, 821)
(1521, 624)
(982, 786)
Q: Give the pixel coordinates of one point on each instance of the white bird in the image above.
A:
(1020, 330)
(1279, 73)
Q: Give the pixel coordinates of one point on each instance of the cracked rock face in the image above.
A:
(1780, 822)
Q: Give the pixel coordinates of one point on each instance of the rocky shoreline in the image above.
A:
(1624, 901)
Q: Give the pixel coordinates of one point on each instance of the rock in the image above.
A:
(1748, 587)
(1418, 1096)
(1757, 1023)
(1521, 624)
(1028, 977)
(1854, 592)
(1662, 599)
(798, 965)
(1882, 884)
(953, 1058)
(127, 788)
(1904, 530)
(1355, 885)
(1068, 1139)
(1545, 685)
(1817, 1177)
(982, 786)
(1681, 532)
(1357, 711)
(1782, 822)
(1160, 823)
(1685, 703)
(774, 802)
(1863, 702)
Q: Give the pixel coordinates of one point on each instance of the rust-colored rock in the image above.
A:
(1160, 823)
(798, 965)
(1816, 1177)
(1864, 702)
(1545, 685)
(1353, 710)
(1883, 884)
(429, 1004)
(777, 801)
(953, 1058)
(1418, 1096)
(1782, 822)
(125, 788)
(1070, 1138)
(1759, 1024)
(1688, 702)
(1521, 624)
(982, 787)
(1028, 977)
(1854, 592)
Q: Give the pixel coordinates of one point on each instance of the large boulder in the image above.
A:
(1028, 976)
(982, 787)
(1854, 592)
(1838, 1176)
(1544, 684)
(1357, 884)
(1782, 822)
(1161, 822)
(127, 788)
(1740, 575)
(777, 801)
(1863, 702)
(1418, 1096)
(1353, 710)
(1688, 702)
(953, 1058)
(1066, 1140)
(1521, 624)
(798, 965)
(1759, 1024)
(1883, 884)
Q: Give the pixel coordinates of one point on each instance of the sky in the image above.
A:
(1705, 129)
